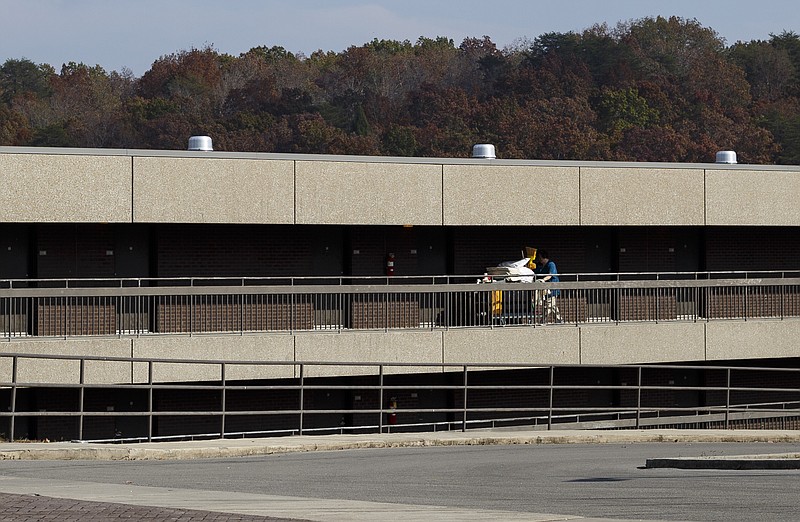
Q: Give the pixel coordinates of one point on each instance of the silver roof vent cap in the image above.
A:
(726, 156)
(483, 151)
(202, 143)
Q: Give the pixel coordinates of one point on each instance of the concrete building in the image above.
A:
(183, 254)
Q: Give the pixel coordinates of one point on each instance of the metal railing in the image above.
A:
(544, 397)
(133, 307)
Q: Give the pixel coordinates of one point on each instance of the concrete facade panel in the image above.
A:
(223, 347)
(642, 196)
(207, 190)
(511, 195)
(56, 371)
(353, 193)
(45, 188)
(753, 339)
(401, 347)
(546, 345)
(752, 197)
(642, 343)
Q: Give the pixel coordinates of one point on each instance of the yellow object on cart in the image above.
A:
(530, 253)
(497, 302)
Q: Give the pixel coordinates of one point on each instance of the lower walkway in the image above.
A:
(223, 448)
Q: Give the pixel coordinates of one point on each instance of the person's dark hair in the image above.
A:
(543, 253)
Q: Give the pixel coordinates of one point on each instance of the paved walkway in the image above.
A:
(36, 507)
(34, 499)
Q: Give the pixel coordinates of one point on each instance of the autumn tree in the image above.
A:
(24, 78)
(656, 89)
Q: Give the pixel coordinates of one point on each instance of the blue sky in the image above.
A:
(132, 34)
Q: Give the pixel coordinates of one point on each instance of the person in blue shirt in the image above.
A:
(547, 267)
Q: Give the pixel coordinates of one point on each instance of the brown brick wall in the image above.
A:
(14, 313)
(235, 251)
(573, 307)
(368, 251)
(536, 400)
(75, 317)
(54, 427)
(646, 249)
(224, 314)
(726, 303)
(752, 379)
(660, 398)
(374, 243)
(495, 394)
(634, 307)
(82, 250)
(87, 250)
(475, 248)
(253, 400)
(186, 400)
(370, 311)
(752, 248)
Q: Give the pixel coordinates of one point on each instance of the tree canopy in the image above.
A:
(654, 89)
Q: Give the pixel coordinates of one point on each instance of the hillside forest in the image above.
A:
(653, 89)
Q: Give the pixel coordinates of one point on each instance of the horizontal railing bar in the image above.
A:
(348, 279)
(333, 387)
(386, 364)
(394, 288)
(584, 411)
(614, 419)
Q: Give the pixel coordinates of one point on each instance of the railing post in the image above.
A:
(448, 300)
(222, 399)
(658, 308)
(13, 396)
(81, 396)
(745, 300)
(302, 366)
(783, 299)
(292, 311)
(119, 312)
(380, 398)
(464, 418)
(149, 401)
(728, 399)
(638, 396)
(550, 400)
(7, 315)
(191, 314)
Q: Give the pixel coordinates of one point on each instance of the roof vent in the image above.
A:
(200, 143)
(483, 150)
(726, 156)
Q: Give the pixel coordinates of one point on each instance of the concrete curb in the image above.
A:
(223, 448)
(776, 461)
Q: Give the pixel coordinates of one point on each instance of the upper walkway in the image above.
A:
(607, 319)
(135, 307)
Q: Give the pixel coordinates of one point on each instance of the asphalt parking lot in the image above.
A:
(541, 476)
